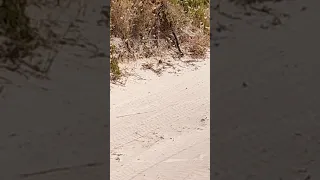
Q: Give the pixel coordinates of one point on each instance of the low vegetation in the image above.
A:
(138, 29)
(142, 29)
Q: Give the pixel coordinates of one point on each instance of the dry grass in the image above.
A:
(138, 20)
(198, 46)
(145, 29)
(150, 28)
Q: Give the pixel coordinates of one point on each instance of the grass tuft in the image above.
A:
(114, 64)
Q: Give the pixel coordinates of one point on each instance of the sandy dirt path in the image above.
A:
(160, 127)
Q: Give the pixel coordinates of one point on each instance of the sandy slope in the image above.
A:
(160, 127)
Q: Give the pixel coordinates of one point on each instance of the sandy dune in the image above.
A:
(160, 127)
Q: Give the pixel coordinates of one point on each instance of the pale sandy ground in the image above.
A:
(52, 129)
(160, 126)
(270, 129)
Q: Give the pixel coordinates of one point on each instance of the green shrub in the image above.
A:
(198, 10)
(114, 64)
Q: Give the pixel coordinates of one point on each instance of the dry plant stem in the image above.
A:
(164, 20)
(177, 42)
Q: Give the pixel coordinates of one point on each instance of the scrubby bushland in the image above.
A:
(147, 28)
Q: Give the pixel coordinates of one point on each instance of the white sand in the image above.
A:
(160, 127)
